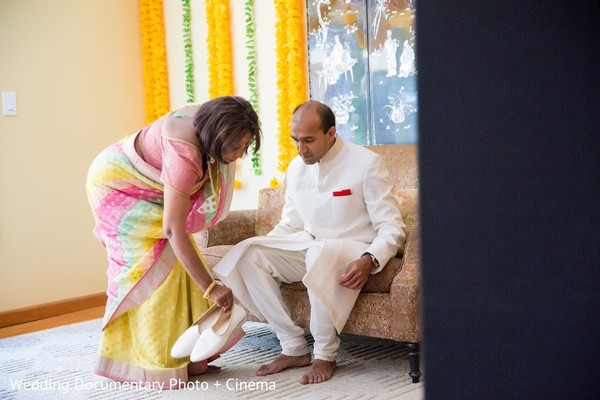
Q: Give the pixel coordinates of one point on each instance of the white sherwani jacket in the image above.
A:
(343, 204)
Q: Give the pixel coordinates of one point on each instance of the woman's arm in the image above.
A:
(176, 208)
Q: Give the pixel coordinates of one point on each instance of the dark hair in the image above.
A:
(325, 113)
(223, 121)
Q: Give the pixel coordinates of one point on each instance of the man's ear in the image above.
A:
(331, 132)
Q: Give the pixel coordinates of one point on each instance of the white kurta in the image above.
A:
(343, 204)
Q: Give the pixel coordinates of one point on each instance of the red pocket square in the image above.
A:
(345, 192)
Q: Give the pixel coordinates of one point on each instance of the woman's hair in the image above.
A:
(224, 121)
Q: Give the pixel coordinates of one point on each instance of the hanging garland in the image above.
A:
(154, 59)
(251, 58)
(220, 77)
(290, 41)
(187, 47)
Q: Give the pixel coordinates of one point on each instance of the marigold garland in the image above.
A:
(187, 46)
(251, 58)
(154, 59)
(290, 32)
(220, 77)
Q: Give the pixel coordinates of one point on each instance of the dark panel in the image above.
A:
(510, 186)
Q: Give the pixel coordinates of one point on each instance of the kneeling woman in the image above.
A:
(149, 192)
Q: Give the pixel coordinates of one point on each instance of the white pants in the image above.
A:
(256, 283)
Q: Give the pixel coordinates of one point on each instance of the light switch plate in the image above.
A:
(9, 103)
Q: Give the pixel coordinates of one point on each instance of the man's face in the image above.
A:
(312, 143)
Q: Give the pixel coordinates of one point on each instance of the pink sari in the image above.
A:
(127, 196)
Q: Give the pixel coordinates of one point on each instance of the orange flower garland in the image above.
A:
(292, 74)
(154, 59)
(220, 76)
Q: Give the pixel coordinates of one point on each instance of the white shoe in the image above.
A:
(217, 339)
(184, 345)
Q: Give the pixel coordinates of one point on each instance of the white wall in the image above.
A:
(76, 68)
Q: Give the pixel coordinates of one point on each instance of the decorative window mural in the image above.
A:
(362, 64)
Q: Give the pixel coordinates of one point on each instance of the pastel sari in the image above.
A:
(151, 299)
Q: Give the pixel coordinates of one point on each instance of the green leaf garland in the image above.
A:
(187, 46)
(251, 58)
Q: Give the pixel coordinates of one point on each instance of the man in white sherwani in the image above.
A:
(340, 223)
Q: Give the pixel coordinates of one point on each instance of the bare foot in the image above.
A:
(319, 371)
(283, 362)
(201, 368)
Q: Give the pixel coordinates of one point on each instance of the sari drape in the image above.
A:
(127, 199)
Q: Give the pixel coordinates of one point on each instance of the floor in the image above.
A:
(98, 312)
(79, 316)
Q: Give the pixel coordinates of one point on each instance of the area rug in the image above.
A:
(57, 364)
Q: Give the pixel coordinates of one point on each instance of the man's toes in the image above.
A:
(263, 370)
(319, 372)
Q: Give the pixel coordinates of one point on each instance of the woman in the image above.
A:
(149, 192)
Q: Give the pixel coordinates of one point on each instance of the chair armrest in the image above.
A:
(237, 226)
(405, 290)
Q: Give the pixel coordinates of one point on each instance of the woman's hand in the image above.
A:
(175, 214)
(223, 296)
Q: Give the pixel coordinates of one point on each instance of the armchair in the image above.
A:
(388, 306)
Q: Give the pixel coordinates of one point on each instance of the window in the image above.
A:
(362, 64)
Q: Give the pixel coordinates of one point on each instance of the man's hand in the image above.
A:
(357, 273)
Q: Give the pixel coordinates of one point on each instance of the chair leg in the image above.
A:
(413, 358)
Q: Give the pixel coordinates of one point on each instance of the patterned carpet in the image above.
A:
(57, 364)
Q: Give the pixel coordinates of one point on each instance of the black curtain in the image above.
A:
(509, 119)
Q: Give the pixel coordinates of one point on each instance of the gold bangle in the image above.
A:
(209, 289)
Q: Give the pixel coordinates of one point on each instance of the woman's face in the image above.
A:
(237, 150)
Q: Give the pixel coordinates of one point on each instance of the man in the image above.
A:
(340, 223)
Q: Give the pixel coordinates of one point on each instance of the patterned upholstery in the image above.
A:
(388, 306)
(270, 204)
(409, 206)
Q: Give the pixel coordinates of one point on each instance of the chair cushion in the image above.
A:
(213, 254)
(382, 281)
(238, 225)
